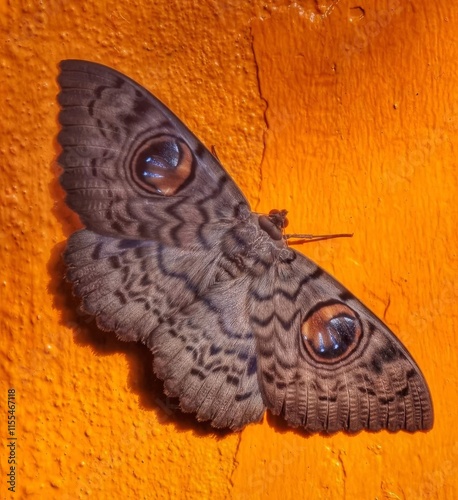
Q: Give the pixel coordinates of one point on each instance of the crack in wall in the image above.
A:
(235, 461)
(344, 472)
(266, 122)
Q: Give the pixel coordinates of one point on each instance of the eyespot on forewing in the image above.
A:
(162, 165)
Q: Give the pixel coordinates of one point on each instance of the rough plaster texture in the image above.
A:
(344, 114)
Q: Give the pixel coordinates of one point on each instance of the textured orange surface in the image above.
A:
(346, 116)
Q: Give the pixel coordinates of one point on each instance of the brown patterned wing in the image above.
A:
(206, 355)
(131, 168)
(131, 286)
(326, 363)
(189, 306)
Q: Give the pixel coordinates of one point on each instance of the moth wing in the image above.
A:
(181, 304)
(131, 167)
(326, 363)
(206, 355)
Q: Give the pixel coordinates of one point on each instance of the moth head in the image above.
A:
(274, 223)
(331, 331)
(162, 165)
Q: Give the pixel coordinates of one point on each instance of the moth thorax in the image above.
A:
(331, 332)
(162, 165)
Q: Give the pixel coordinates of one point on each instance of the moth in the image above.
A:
(172, 256)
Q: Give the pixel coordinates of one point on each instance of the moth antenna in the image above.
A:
(314, 237)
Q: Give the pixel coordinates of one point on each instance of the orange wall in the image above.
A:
(346, 117)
